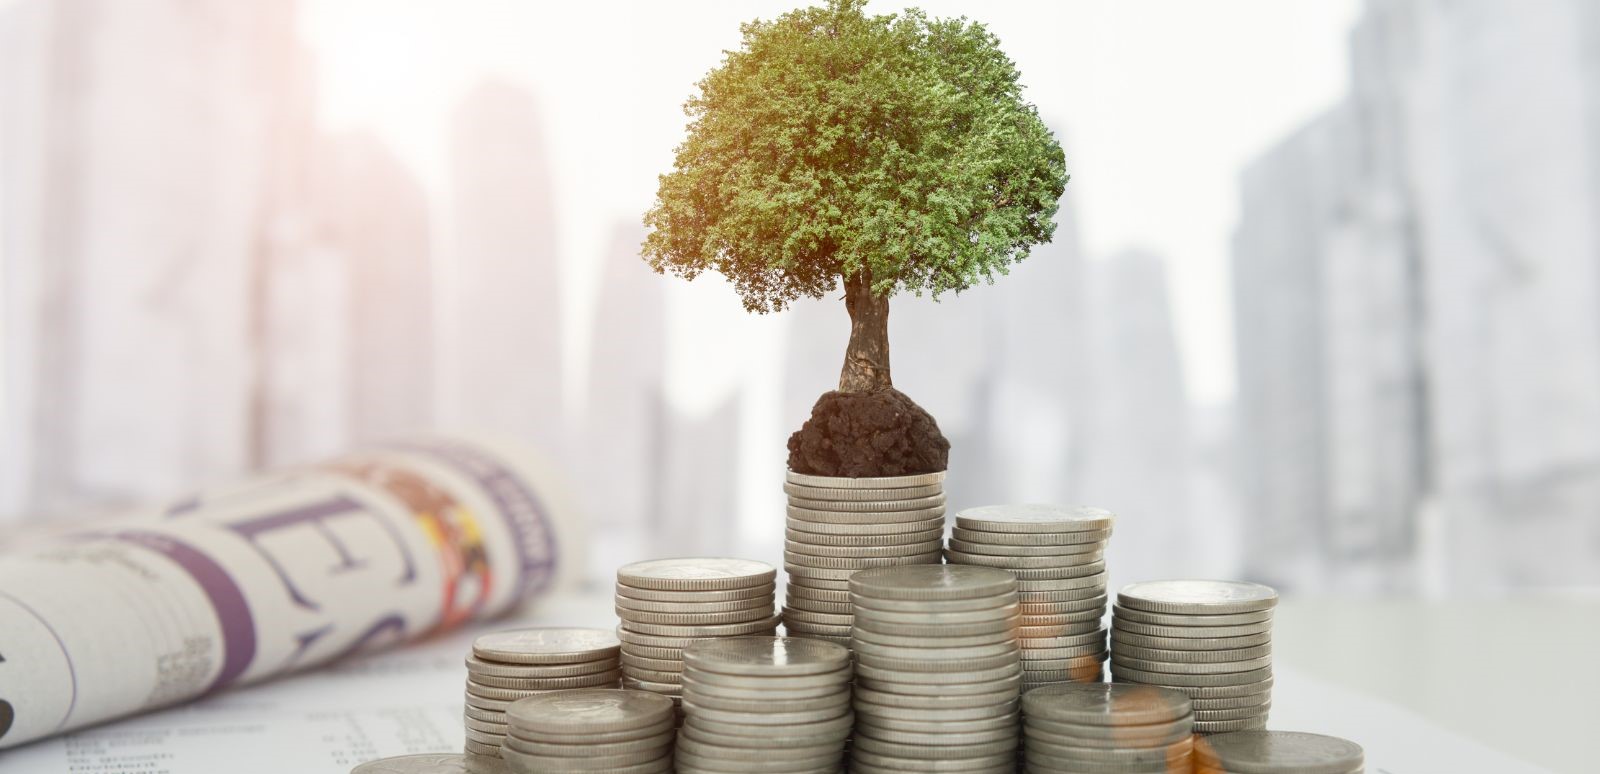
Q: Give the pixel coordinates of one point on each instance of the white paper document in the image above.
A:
(409, 701)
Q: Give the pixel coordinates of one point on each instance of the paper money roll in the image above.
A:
(278, 574)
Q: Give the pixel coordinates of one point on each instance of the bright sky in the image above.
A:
(1162, 101)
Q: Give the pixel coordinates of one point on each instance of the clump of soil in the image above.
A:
(866, 434)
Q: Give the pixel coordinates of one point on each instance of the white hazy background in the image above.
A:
(424, 215)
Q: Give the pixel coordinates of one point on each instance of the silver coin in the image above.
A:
(1057, 619)
(1046, 600)
(698, 597)
(767, 657)
(932, 738)
(1197, 597)
(1259, 752)
(694, 619)
(922, 606)
(1233, 702)
(822, 729)
(1053, 631)
(1035, 518)
(1029, 539)
(615, 762)
(1006, 723)
(821, 539)
(1093, 648)
(860, 760)
(1006, 693)
(936, 657)
(1191, 632)
(763, 719)
(631, 672)
(1195, 692)
(1191, 643)
(1128, 674)
(791, 547)
(427, 763)
(916, 516)
(713, 680)
(665, 606)
(813, 735)
(1106, 704)
(1233, 713)
(1091, 569)
(478, 666)
(1079, 735)
(549, 645)
(937, 666)
(849, 495)
(1067, 641)
(1178, 619)
(793, 615)
(945, 749)
(897, 529)
(589, 711)
(932, 581)
(608, 677)
(652, 664)
(803, 589)
(791, 559)
(862, 636)
(868, 675)
(818, 606)
(869, 506)
(694, 682)
(1189, 656)
(868, 709)
(992, 549)
(839, 699)
(763, 625)
(777, 759)
(873, 482)
(1174, 756)
(507, 693)
(1191, 667)
(1002, 612)
(583, 747)
(1025, 562)
(798, 628)
(696, 573)
(478, 748)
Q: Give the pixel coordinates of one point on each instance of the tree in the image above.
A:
(887, 153)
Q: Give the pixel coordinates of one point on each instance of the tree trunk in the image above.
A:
(866, 359)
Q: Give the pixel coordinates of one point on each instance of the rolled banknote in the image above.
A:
(277, 574)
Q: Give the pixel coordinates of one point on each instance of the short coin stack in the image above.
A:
(511, 665)
(1057, 554)
(767, 704)
(840, 525)
(1116, 727)
(614, 731)
(1278, 752)
(1212, 640)
(667, 605)
(938, 670)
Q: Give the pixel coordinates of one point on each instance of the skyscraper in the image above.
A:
(131, 210)
(501, 346)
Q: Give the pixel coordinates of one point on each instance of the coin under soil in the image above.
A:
(916, 516)
(1035, 518)
(693, 619)
(801, 587)
(1275, 752)
(1234, 702)
(994, 549)
(1127, 674)
(936, 613)
(912, 642)
(1198, 692)
(1006, 692)
(1064, 539)
(817, 606)
(546, 646)
(1177, 756)
(1227, 726)
(478, 666)
(599, 762)
(1190, 643)
(791, 559)
(924, 665)
(944, 749)
(1235, 713)
(1197, 597)
(544, 683)
(1094, 614)
(504, 693)
(872, 528)
(865, 482)
(1038, 589)
(1066, 641)
(696, 573)
(870, 506)
(1024, 562)
(866, 708)
(1091, 569)
(587, 711)
(797, 627)
(1043, 600)
(932, 582)
(868, 761)
(817, 540)
(848, 493)
(1185, 619)
(1202, 632)
(1106, 704)
(681, 607)
(698, 597)
(1094, 648)
(718, 757)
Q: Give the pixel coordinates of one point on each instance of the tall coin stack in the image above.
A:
(1211, 640)
(938, 670)
(511, 665)
(1057, 554)
(667, 605)
(1116, 727)
(768, 704)
(840, 525)
(1278, 752)
(614, 731)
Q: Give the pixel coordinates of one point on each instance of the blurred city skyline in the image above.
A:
(235, 236)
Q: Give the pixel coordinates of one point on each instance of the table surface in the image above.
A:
(1521, 674)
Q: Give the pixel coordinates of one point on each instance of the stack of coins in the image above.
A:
(840, 525)
(426, 763)
(667, 605)
(938, 670)
(1128, 729)
(591, 730)
(768, 704)
(1278, 752)
(1057, 554)
(1212, 640)
(511, 665)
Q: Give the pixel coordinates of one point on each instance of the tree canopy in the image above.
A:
(895, 148)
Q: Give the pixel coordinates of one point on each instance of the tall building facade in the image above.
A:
(502, 361)
(1443, 248)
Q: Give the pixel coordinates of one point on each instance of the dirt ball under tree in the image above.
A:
(867, 434)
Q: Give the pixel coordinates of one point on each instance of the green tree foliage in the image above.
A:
(894, 150)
